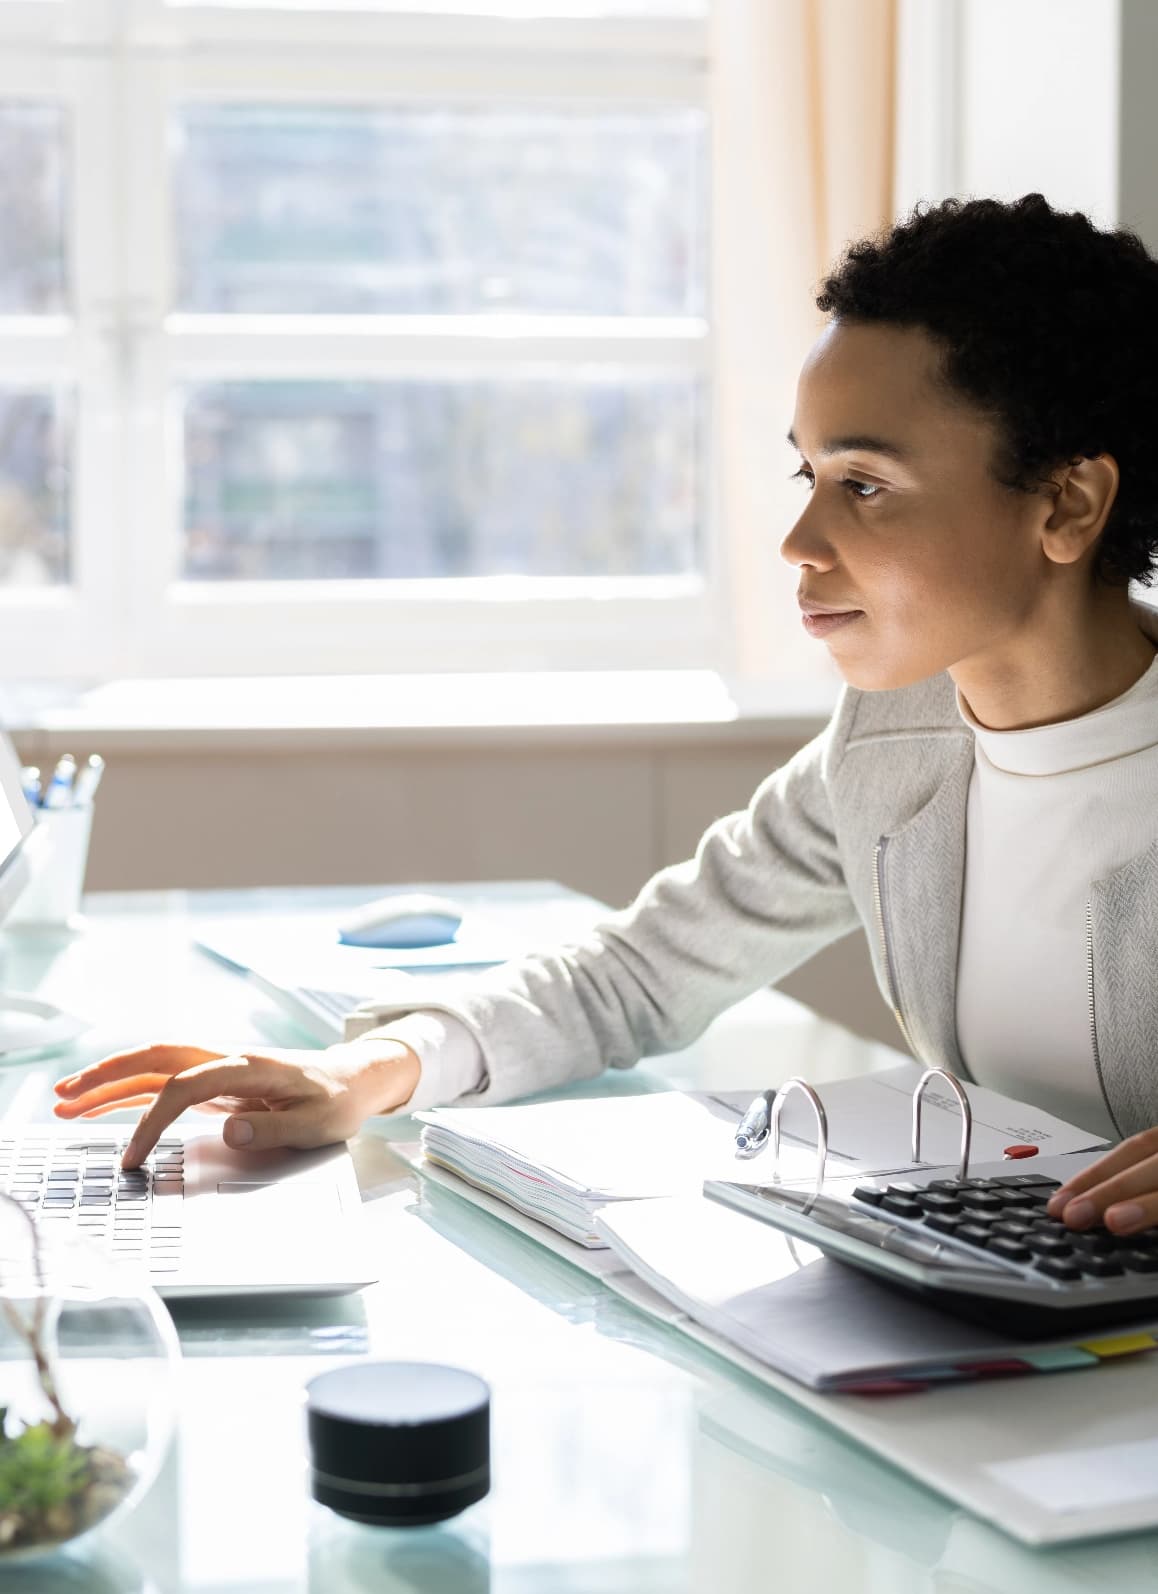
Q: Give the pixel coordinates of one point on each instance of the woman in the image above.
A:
(975, 428)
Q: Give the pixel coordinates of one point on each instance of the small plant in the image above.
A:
(51, 1487)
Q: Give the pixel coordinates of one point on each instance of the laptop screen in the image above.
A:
(16, 823)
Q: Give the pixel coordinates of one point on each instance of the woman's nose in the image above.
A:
(804, 545)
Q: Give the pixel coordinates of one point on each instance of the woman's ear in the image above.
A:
(1083, 494)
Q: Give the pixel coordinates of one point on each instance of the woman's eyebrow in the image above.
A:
(858, 443)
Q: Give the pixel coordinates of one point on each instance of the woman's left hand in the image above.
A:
(1119, 1190)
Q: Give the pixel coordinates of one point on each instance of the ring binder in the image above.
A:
(966, 1115)
(821, 1126)
(772, 1130)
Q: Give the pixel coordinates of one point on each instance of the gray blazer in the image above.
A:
(865, 826)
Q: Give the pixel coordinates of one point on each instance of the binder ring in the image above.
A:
(821, 1126)
(966, 1115)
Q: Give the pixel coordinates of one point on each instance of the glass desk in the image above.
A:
(626, 1459)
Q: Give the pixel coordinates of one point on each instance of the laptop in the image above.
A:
(199, 1218)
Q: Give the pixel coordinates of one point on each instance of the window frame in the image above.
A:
(57, 631)
(129, 614)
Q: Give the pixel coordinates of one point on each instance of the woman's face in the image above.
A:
(925, 559)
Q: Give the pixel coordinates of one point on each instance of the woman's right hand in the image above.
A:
(270, 1098)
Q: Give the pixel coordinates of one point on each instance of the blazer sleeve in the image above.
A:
(763, 893)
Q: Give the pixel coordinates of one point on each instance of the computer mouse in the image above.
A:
(404, 920)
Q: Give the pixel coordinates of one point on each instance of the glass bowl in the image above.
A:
(88, 1363)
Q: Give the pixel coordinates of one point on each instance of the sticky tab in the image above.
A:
(884, 1386)
(1122, 1345)
(1060, 1360)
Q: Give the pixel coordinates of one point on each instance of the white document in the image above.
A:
(560, 1160)
(1064, 1482)
(784, 1302)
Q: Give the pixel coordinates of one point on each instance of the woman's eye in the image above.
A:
(865, 491)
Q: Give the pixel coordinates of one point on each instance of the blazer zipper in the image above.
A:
(1092, 1011)
(883, 929)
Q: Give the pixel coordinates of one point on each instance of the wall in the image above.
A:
(1138, 120)
(1038, 101)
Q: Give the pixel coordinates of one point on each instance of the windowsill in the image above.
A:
(286, 712)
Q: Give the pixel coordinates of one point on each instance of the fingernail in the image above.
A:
(1079, 1213)
(238, 1132)
(1056, 1202)
(1122, 1219)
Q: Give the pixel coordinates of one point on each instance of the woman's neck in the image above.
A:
(1060, 665)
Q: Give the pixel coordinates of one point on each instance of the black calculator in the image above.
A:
(982, 1246)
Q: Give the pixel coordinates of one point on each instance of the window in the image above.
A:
(355, 337)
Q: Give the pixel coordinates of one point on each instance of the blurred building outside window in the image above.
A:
(334, 358)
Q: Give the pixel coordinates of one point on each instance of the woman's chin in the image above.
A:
(860, 669)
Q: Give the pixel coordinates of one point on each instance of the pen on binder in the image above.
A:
(30, 780)
(87, 781)
(753, 1128)
(59, 793)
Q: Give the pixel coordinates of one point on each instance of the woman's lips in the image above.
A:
(822, 625)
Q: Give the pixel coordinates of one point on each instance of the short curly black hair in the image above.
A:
(1048, 324)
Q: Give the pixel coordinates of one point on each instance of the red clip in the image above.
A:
(1015, 1153)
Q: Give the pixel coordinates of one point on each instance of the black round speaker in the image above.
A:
(399, 1443)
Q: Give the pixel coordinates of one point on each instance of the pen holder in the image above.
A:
(58, 856)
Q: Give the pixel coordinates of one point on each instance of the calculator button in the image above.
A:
(942, 1223)
(1001, 1245)
(1012, 1230)
(981, 1201)
(901, 1206)
(1048, 1245)
(943, 1184)
(1139, 1261)
(869, 1193)
(904, 1188)
(1027, 1181)
(975, 1233)
(1057, 1267)
(1094, 1243)
(1100, 1267)
(938, 1201)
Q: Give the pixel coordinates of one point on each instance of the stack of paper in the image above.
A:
(561, 1161)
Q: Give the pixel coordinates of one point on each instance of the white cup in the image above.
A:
(58, 855)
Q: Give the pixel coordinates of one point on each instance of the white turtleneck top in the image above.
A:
(1050, 810)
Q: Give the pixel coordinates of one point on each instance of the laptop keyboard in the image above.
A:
(333, 1004)
(78, 1186)
(1007, 1219)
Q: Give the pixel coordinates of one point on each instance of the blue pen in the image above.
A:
(30, 780)
(59, 793)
